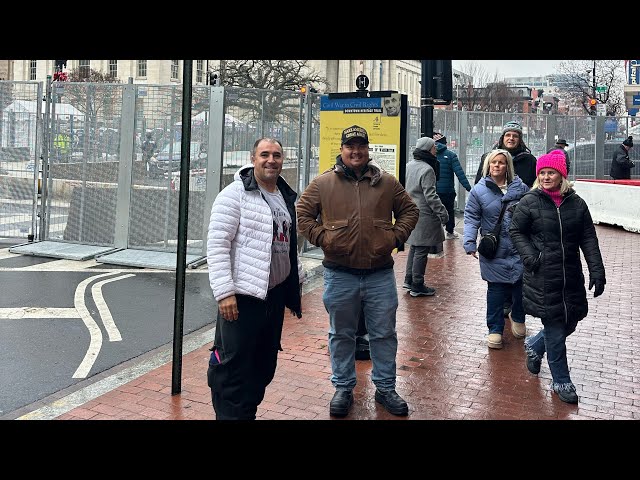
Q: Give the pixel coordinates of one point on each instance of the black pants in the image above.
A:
(248, 350)
(449, 200)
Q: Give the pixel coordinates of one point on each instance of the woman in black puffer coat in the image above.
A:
(549, 227)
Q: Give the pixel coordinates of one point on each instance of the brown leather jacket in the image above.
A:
(352, 220)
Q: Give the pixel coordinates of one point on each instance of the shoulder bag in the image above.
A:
(488, 245)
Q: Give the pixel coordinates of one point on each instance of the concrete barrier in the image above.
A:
(612, 203)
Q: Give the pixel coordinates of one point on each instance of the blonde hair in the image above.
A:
(565, 185)
(493, 154)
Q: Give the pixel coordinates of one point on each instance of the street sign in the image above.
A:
(636, 99)
(601, 109)
(601, 88)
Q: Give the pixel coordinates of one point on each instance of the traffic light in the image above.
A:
(437, 81)
(592, 106)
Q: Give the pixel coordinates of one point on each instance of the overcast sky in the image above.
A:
(513, 68)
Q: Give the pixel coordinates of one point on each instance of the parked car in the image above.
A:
(162, 163)
(583, 159)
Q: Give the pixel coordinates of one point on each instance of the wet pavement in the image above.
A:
(445, 370)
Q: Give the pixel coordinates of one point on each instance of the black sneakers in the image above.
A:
(407, 283)
(341, 403)
(392, 402)
(533, 362)
(566, 392)
(421, 290)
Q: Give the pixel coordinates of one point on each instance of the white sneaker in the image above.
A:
(451, 236)
(435, 255)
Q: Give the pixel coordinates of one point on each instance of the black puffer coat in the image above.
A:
(549, 240)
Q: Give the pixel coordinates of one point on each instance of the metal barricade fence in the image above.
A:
(20, 143)
(103, 188)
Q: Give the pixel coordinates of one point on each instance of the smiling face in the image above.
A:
(549, 179)
(355, 154)
(511, 139)
(267, 163)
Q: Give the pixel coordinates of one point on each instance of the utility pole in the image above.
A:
(426, 97)
(594, 79)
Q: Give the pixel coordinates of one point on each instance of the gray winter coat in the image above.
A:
(421, 186)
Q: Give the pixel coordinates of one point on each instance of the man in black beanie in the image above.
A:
(524, 163)
(621, 164)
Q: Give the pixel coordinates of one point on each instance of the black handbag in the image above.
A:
(488, 245)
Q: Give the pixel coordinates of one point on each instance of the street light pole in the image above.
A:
(594, 79)
(457, 77)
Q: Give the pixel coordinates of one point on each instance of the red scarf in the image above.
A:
(555, 195)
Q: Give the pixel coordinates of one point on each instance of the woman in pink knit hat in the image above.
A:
(549, 227)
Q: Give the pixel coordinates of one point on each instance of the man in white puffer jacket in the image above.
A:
(255, 273)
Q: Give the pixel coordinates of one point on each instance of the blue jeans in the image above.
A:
(496, 294)
(344, 293)
(552, 340)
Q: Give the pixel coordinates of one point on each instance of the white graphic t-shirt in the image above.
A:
(280, 264)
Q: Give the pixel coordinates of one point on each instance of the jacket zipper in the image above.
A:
(564, 273)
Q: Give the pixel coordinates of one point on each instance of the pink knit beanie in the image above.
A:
(554, 159)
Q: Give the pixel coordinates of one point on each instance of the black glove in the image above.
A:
(599, 286)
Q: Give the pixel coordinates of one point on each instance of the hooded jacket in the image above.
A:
(351, 218)
(239, 241)
(524, 162)
(549, 240)
(449, 164)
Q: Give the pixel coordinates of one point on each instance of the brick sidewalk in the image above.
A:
(445, 370)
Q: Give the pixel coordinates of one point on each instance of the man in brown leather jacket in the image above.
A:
(358, 214)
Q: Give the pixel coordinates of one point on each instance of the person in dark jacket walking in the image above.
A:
(549, 227)
(524, 162)
(445, 188)
(503, 274)
(621, 164)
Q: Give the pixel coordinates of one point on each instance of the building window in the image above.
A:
(174, 69)
(199, 71)
(32, 69)
(84, 68)
(113, 68)
(142, 68)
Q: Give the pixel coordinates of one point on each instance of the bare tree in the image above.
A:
(474, 94)
(270, 74)
(77, 95)
(269, 80)
(577, 86)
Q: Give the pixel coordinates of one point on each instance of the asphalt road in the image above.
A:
(63, 322)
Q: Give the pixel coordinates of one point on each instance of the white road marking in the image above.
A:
(95, 334)
(103, 309)
(37, 312)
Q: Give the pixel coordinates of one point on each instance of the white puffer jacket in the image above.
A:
(239, 242)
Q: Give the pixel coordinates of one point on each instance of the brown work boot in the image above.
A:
(494, 340)
(519, 330)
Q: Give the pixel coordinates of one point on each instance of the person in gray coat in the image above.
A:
(498, 186)
(428, 233)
